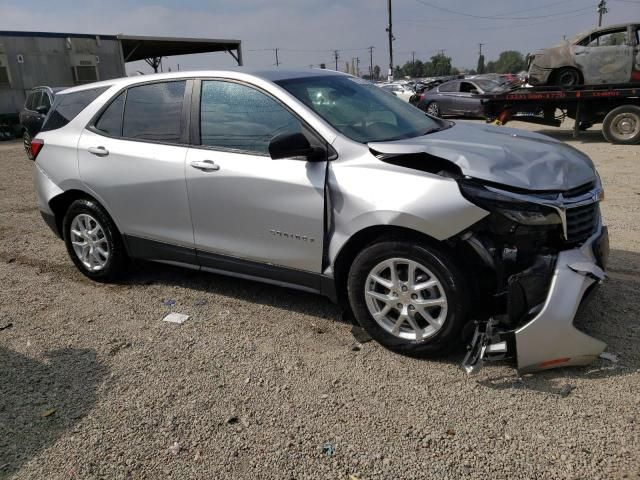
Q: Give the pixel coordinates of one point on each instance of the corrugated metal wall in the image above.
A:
(49, 61)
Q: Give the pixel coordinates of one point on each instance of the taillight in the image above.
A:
(421, 97)
(36, 146)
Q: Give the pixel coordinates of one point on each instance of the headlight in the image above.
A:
(515, 209)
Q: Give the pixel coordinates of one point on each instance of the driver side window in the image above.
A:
(238, 117)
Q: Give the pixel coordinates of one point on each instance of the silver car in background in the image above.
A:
(323, 182)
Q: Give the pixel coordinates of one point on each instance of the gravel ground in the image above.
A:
(94, 385)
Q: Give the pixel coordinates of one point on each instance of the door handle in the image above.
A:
(98, 151)
(205, 165)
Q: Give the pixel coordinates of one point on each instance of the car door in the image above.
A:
(468, 101)
(447, 95)
(133, 158)
(248, 209)
(606, 56)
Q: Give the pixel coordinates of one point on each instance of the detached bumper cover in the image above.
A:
(550, 339)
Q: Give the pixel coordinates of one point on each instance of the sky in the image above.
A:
(307, 32)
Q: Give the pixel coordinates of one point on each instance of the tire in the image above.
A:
(433, 265)
(26, 144)
(90, 215)
(566, 77)
(433, 109)
(622, 125)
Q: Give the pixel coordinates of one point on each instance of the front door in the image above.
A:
(134, 162)
(606, 57)
(244, 205)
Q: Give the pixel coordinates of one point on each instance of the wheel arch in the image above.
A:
(368, 236)
(60, 204)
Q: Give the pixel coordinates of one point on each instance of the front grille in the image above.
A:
(581, 222)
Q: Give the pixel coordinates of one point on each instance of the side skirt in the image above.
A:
(154, 251)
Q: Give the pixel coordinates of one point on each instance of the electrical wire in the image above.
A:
(494, 17)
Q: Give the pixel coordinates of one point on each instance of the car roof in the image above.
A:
(272, 75)
(581, 35)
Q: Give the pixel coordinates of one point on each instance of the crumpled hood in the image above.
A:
(502, 155)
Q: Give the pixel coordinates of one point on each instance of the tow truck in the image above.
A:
(617, 107)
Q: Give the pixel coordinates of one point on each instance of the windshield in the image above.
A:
(360, 110)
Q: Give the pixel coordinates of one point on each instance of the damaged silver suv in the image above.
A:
(320, 181)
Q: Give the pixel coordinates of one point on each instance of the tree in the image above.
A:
(509, 61)
(440, 65)
(376, 72)
(480, 68)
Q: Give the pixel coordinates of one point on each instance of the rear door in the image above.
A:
(447, 95)
(607, 56)
(245, 205)
(133, 158)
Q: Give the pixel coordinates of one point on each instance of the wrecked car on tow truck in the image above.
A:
(324, 182)
(606, 55)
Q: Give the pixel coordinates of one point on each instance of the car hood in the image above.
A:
(507, 156)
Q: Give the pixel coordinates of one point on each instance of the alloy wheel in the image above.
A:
(433, 109)
(406, 299)
(89, 242)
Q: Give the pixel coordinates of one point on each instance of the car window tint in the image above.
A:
(448, 87)
(609, 39)
(239, 117)
(110, 122)
(44, 100)
(67, 106)
(154, 112)
(35, 101)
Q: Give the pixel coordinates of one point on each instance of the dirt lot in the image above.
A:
(94, 385)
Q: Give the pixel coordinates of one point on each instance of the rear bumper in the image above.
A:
(550, 339)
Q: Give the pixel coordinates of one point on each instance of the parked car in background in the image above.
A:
(458, 97)
(402, 91)
(604, 55)
(32, 115)
(321, 181)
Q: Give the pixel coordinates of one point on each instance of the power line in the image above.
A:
(494, 17)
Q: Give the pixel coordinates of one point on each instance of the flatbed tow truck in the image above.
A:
(616, 106)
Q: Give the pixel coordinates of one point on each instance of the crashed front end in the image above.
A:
(542, 254)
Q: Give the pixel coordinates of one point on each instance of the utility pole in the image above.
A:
(357, 66)
(480, 45)
(277, 61)
(371, 63)
(391, 39)
(602, 9)
(413, 58)
(336, 56)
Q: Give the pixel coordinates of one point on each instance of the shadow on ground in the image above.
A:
(39, 401)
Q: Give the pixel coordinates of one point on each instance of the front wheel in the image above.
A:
(410, 298)
(622, 125)
(93, 241)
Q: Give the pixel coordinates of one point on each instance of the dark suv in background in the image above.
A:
(36, 107)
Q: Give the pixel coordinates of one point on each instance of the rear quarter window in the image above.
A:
(67, 106)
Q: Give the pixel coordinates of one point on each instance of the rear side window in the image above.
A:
(110, 122)
(154, 112)
(448, 87)
(67, 106)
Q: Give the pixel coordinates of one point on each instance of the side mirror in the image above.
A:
(42, 109)
(287, 145)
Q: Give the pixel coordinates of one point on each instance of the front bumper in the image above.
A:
(539, 75)
(550, 339)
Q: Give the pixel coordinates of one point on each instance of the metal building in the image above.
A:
(30, 59)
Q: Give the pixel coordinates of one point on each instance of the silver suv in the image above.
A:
(323, 182)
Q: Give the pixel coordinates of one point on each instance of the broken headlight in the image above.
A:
(512, 207)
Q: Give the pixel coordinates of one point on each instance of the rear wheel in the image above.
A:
(622, 125)
(93, 242)
(566, 77)
(410, 298)
(433, 109)
(26, 143)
